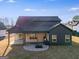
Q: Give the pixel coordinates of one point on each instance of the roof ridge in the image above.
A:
(57, 25)
(38, 16)
(54, 26)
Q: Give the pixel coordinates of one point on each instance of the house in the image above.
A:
(2, 31)
(41, 28)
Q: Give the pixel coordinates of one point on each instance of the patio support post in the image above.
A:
(45, 37)
(7, 45)
(8, 38)
(24, 38)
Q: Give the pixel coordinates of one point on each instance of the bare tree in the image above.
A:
(12, 22)
(74, 22)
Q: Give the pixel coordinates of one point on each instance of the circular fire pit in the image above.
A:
(32, 47)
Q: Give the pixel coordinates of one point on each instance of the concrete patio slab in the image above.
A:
(31, 47)
(16, 42)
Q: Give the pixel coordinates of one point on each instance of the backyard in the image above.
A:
(54, 52)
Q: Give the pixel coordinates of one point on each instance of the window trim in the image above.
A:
(54, 38)
(33, 36)
(67, 38)
(20, 35)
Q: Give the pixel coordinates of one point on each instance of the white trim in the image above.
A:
(54, 38)
(67, 38)
(47, 36)
(32, 35)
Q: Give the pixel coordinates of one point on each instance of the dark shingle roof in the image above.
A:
(33, 27)
(22, 20)
(40, 18)
(35, 23)
(60, 24)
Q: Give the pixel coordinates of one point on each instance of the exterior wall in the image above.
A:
(40, 37)
(77, 28)
(60, 31)
(22, 36)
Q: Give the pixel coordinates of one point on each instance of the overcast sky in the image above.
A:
(65, 9)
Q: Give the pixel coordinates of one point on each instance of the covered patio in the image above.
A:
(23, 37)
(30, 40)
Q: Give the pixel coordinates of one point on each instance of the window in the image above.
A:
(32, 36)
(54, 38)
(67, 38)
(21, 35)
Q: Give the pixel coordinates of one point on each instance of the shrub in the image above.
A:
(39, 46)
(46, 42)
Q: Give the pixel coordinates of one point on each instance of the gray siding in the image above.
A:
(60, 31)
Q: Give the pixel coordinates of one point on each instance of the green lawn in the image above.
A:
(54, 52)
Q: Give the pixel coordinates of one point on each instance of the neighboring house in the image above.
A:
(40, 28)
(2, 31)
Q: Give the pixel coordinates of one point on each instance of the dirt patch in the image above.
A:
(3, 46)
(75, 39)
(4, 43)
